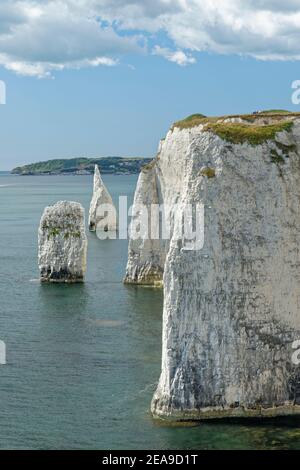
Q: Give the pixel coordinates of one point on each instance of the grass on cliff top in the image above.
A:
(275, 111)
(192, 121)
(236, 132)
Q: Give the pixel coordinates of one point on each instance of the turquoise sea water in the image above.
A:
(83, 360)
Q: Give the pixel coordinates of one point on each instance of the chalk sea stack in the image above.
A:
(101, 198)
(146, 256)
(232, 309)
(62, 243)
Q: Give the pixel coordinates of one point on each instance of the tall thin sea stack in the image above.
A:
(101, 201)
(62, 243)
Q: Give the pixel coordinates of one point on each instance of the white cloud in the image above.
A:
(179, 57)
(43, 70)
(39, 37)
(264, 29)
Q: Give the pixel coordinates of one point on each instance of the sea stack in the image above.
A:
(101, 198)
(62, 243)
(146, 257)
(231, 313)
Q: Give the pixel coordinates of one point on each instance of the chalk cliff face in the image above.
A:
(62, 243)
(100, 198)
(231, 309)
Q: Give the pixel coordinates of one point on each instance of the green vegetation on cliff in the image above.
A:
(237, 133)
(253, 128)
(124, 165)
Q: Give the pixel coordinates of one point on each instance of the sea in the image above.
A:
(83, 361)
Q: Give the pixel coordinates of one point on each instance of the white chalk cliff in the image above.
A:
(232, 309)
(62, 243)
(100, 199)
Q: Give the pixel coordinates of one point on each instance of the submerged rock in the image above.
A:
(62, 243)
(231, 309)
(100, 199)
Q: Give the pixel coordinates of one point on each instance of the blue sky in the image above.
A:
(72, 93)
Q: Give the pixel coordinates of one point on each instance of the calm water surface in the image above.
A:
(83, 360)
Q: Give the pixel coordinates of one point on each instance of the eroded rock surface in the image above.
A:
(231, 309)
(62, 243)
(146, 256)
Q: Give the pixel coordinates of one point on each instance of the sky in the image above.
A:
(108, 77)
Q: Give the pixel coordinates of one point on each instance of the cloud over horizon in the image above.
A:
(40, 37)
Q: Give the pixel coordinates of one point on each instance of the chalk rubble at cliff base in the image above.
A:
(62, 243)
(231, 309)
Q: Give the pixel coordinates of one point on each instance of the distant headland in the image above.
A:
(83, 166)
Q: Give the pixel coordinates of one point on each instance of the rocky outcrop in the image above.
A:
(232, 308)
(146, 255)
(62, 243)
(100, 199)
